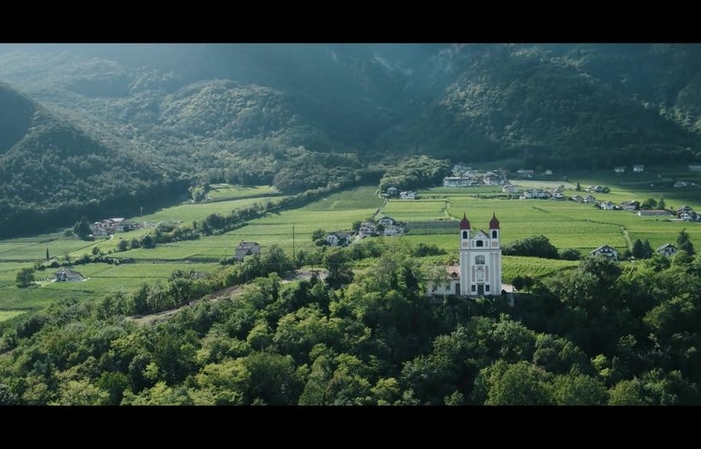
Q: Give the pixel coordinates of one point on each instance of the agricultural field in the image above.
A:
(221, 192)
(433, 220)
(189, 212)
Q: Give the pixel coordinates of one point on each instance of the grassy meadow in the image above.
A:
(432, 219)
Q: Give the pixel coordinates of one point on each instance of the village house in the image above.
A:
(557, 194)
(109, 226)
(65, 275)
(393, 230)
(407, 195)
(607, 205)
(494, 179)
(605, 250)
(666, 250)
(386, 221)
(509, 188)
(630, 205)
(367, 228)
(638, 168)
(459, 181)
(619, 169)
(338, 238)
(392, 191)
(246, 249)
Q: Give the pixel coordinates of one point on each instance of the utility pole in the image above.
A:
(293, 243)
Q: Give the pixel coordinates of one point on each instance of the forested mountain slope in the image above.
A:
(51, 171)
(257, 113)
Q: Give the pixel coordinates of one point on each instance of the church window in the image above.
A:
(486, 288)
(480, 243)
(479, 260)
(464, 234)
(473, 288)
(494, 234)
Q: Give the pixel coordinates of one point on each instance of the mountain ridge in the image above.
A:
(265, 113)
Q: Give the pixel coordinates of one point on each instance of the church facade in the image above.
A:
(479, 269)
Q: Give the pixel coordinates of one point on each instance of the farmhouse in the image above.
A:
(619, 169)
(630, 205)
(638, 168)
(479, 269)
(246, 249)
(338, 238)
(65, 275)
(605, 250)
(386, 221)
(459, 181)
(392, 230)
(367, 228)
(667, 250)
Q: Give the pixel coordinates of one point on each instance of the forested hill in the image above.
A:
(51, 171)
(269, 113)
(556, 104)
(562, 106)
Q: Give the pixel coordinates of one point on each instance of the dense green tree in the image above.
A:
(25, 277)
(82, 228)
(649, 203)
(534, 246)
(627, 392)
(578, 389)
(684, 243)
(521, 383)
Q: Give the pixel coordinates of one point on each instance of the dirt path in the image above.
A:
(155, 318)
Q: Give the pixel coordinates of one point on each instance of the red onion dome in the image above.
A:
(464, 223)
(494, 223)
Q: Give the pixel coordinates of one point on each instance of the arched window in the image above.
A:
(494, 234)
(464, 234)
(479, 260)
(480, 243)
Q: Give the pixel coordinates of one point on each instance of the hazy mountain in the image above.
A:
(266, 112)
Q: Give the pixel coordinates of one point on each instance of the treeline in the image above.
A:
(604, 334)
(414, 172)
(539, 246)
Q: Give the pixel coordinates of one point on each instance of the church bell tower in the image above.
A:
(480, 259)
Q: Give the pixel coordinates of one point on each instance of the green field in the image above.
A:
(432, 220)
(219, 192)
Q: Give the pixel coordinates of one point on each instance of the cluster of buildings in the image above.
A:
(467, 177)
(667, 250)
(385, 226)
(109, 226)
(393, 192)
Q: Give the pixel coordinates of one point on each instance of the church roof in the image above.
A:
(464, 223)
(494, 223)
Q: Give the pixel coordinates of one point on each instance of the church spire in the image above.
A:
(464, 223)
(494, 223)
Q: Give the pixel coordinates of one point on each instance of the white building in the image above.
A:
(479, 271)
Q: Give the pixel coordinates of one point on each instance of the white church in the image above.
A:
(479, 269)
